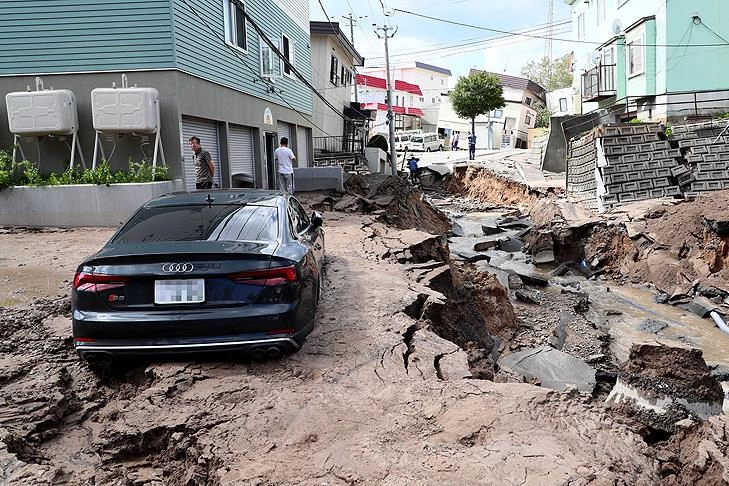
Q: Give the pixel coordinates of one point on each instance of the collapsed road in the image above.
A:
(431, 363)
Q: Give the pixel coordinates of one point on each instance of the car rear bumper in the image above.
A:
(112, 334)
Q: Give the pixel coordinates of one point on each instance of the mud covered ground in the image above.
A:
(381, 393)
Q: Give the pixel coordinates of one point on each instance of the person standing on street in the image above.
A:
(471, 146)
(204, 166)
(454, 144)
(284, 158)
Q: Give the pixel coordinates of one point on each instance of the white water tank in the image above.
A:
(46, 112)
(121, 110)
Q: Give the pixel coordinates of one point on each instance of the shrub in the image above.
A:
(25, 173)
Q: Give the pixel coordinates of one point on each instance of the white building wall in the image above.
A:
(598, 29)
(561, 102)
(332, 124)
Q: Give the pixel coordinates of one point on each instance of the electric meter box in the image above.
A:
(37, 113)
(121, 110)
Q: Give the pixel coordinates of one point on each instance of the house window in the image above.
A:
(600, 11)
(235, 25)
(497, 113)
(270, 63)
(433, 100)
(287, 49)
(397, 100)
(635, 57)
(528, 119)
(422, 99)
(528, 101)
(442, 82)
(581, 27)
(349, 77)
(333, 76)
(563, 104)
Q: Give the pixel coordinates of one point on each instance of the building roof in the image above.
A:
(332, 28)
(380, 83)
(430, 67)
(516, 83)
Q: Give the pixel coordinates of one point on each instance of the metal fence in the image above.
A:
(337, 144)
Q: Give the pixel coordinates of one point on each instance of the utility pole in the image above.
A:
(352, 20)
(390, 118)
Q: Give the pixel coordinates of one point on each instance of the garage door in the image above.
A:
(241, 156)
(284, 130)
(302, 149)
(207, 132)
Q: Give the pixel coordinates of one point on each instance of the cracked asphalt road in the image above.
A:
(344, 410)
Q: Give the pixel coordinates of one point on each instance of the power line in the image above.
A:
(512, 33)
(467, 42)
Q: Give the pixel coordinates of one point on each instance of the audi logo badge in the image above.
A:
(177, 267)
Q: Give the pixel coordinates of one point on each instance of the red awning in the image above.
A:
(415, 111)
(380, 83)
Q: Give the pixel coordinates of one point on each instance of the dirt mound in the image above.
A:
(393, 200)
(661, 386)
(697, 455)
(678, 371)
(485, 185)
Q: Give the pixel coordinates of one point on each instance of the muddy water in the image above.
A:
(636, 305)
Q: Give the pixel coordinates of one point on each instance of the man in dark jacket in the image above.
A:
(413, 167)
(204, 166)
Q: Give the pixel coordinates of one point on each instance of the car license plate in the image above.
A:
(179, 291)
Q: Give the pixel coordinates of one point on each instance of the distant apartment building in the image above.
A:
(651, 59)
(406, 104)
(502, 128)
(433, 82)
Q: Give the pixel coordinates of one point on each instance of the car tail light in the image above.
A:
(270, 277)
(95, 282)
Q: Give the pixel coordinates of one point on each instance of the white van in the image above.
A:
(425, 142)
(402, 141)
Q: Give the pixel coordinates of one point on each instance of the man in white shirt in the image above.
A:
(284, 158)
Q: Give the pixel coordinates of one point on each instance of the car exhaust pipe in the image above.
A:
(258, 353)
(98, 359)
(273, 352)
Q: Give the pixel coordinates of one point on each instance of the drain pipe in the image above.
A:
(719, 321)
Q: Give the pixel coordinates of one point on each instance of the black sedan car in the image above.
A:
(202, 271)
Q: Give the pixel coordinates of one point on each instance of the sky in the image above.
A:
(454, 47)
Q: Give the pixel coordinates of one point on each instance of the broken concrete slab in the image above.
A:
(527, 272)
(486, 245)
(491, 230)
(718, 226)
(529, 296)
(383, 200)
(545, 256)
(457, 229)
(658, 378)
(511, 244)
(429, 353)
(554, 369)
(652, 325)
(701, 306)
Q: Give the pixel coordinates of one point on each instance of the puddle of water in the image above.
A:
(637, 304)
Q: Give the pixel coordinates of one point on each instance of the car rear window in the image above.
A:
(417, 139)
(197, 223)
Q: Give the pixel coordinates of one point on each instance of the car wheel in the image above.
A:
(427, 149)
(440, 148)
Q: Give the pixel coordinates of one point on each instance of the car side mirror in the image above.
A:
(316, 219)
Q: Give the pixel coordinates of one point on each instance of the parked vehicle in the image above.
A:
(425, 142)
(202, 271)
(402, 141)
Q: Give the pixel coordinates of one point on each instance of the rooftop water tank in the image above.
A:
(121, 110)
(44, 112)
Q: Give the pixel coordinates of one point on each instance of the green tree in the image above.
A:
(476, 95)
(543, 115)
(550, 75)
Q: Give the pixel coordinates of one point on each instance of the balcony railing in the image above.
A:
(599, 83)
(324, 145)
